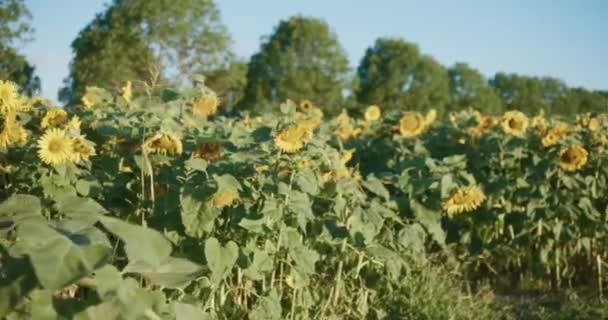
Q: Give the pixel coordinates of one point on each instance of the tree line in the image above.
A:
(162, 42)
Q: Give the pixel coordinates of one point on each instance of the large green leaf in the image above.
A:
(430, 219)
(141, 244)
(197, 217)
(220, 259)
(172, 273)
(20, 206)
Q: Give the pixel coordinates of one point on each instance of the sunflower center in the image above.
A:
(411, 123)
(56, 145)
(514, 124)
(571, 156)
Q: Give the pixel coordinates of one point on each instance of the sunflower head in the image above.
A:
(514, 123)
(11, 133)
(210, 151)
(539, 123)
(306, 105)
(54, 118)
(92, 97)
(82, 149)
(163, 143)
(224, 198)
(412, 124)
(127, 91)
(347, 132)
(73, 124)
(293, 138)
(553, 136)
(372, 113)
(573, 158)
(206, 105)
(9, 95)
(54, 147)
(464, 199)
(343, 119)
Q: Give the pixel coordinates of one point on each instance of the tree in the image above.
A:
(302, 59)
(395, 75)
(137, 40)
(469, 88)
(229, 83)
(15, 30)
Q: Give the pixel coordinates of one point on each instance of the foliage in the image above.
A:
(469, 89)
(301, 59)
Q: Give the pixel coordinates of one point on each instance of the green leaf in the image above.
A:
(21, 206)
(375, 186)
(72, 205)
(431, 220)
(141, 244)
(172, 273)
(367, 223)
(185, 311)
(196, 164)
(307, 181)
(198, 218)
(60, 258)
(262, 263)
(412, 237)
(220, 259)
(267, 308)
(227, 182)
(17, 279)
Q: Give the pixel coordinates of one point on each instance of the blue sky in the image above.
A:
(565, 39)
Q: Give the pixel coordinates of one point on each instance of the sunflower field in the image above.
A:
(157, 206)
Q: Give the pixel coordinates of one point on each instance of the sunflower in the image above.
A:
(553, 136)
(127, 91)
(430, 117)
(54, 147)
(593, 125)
(91, 97)
(346, 156)
(484, 124)
(539, 123)
(54, 118)
(224, 198)
(163, 143)
(11, 132)
(514, 123)
(306, 105)
(347, 132)
(372, 113)
(293, 138)
(73, 124)
(573, 158)
(82, 149)
(209, 151)
(412, 124)
(205, 106)
(343, 119)
(9, 94)
(464, 199)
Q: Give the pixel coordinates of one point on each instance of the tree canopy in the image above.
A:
(302, 59)
(140, 40)
(469, 88)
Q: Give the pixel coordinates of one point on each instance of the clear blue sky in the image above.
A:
(565, 39)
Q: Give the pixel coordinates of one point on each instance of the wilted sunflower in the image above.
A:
(372, 113)
(306, 105)
(54, 147)
(224, 198)
(209, 151)
(127, 91)
(514, 123)
(163, 143)
(54, 118)
(293, 138)
(206, 105)
(464, 199)
(573, 158)
(82, 149)
(412, 124)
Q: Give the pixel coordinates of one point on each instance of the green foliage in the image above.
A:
(395, 75)
(301, 59)
(469, 89)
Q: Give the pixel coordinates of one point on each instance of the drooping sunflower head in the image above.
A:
(293, 138)
(54, 118)
(210, 151)
(224, 198)
(306, 105)
(82, 149)
(163, 143)
(372, 113)
(464, 199)
(206, 105)
(54, 147)
(573, 158)
(412, 124)
(127, 91)
(514, 123)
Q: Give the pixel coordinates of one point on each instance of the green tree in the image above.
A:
(229, 83)
(394, 74)
(469, 88)
(15, 29)
(302, 59)
(140, 40)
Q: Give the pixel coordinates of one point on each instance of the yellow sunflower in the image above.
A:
(539, 123)
(464, 199)
(553, 136)
(209, 151)
(593, 125)
(343, 119)
(163, 143)
(82, 149)
(54, 118)
(73, 124)
(430, 117)
(347, 132)
(484, 124)
(372, 113)
(224, 198)
(306, 105)
(127, 91)
(573, 158)
(412, 124)
(54, 147)
(91, 97)
(514, 123)
(293, 138)
(11, 133)
(206, 105)
(9, 96)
